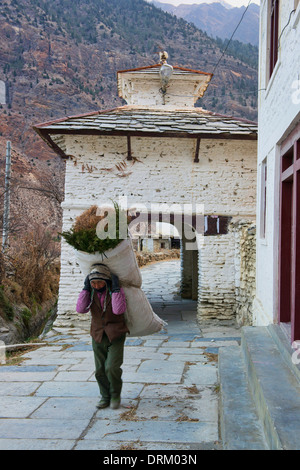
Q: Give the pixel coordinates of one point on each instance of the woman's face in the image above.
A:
(98, 284)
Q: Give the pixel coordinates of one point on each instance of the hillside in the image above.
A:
(60, 58)
(217, 20)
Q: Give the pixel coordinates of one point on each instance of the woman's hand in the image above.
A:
(87, 284)
(115, 286)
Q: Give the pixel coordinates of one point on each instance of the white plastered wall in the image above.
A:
(223, 181)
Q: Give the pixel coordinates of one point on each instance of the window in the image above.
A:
(274, 13)
(263, 199)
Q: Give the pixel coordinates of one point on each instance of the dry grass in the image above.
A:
(32, 268)
(88, 219)
(128, 447)
(211, 357)
(186, 418)
(193, 389)
(130, 415)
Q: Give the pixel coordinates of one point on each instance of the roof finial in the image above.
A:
(163, 56)
(165, 73)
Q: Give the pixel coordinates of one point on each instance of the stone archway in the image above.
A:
(172, 154)
(189, 243)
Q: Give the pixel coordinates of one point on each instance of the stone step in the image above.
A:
(274, 386)
(240, 426)
(289, 354)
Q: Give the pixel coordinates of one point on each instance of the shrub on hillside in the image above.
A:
(32, 268)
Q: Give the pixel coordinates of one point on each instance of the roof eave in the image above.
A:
(45, 134)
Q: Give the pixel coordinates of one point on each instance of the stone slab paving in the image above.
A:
(170, 384)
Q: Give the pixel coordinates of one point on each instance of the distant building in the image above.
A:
(157, 238)
(278, 197)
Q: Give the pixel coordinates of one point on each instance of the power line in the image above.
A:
(227, 45)
(293, 11)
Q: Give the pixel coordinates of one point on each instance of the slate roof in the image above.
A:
(147, 121)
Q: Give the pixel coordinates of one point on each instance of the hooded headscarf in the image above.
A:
(101, 272)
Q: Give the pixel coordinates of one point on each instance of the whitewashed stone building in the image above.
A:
(161, 149)
(278, 218)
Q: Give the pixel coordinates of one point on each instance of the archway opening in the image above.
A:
(170, 282)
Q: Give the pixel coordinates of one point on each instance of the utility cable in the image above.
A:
(227, 45)
(293, 11)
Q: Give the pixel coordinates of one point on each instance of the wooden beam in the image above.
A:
(215, 225)
(46, 133)
(196, 159)
(176, 134)
(47, 138)
(129, 156)
(287, 174)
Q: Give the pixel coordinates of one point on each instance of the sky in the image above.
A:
(234, 3)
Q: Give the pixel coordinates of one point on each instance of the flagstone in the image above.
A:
(201, 374)
(19, 407)
(42, 428)
(153, 431)
(36, 444)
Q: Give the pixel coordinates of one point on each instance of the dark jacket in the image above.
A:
(112, 320)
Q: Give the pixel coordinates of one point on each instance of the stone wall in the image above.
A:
(144, 258)
(217, 278)
(227, 275)
(245, 249)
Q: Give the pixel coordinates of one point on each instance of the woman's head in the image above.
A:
(99, 276)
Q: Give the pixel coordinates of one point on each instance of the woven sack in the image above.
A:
(140, 318)
(121, 261)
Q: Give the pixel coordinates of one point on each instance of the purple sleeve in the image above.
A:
(118, 301)
(83, 302)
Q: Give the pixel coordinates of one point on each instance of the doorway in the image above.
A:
(289, 245)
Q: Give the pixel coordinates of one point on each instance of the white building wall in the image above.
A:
(223, 181)
(166, 172)
(278, 113)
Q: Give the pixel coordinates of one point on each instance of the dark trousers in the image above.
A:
(108, 361)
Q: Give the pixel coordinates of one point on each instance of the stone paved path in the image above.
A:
(170, 390)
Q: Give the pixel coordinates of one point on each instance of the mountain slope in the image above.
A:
(60, 58)
(71, 50)
(217, 20)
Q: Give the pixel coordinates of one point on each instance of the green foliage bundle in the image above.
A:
(83, 235)
(88, 241)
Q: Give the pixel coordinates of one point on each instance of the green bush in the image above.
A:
(88, 241)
